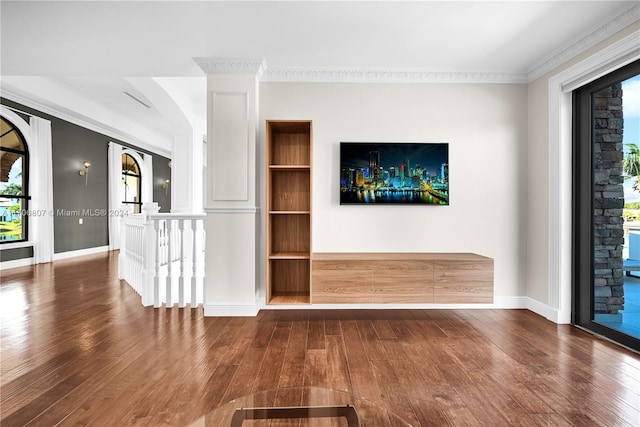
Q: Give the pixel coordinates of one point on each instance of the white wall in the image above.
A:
(486, 128)
(538, 193)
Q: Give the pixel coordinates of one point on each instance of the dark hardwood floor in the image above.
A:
(79, 349)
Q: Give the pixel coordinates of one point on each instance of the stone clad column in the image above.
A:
(608, 202)
(231, 204)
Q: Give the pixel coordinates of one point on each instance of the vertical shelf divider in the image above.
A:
(288, 221)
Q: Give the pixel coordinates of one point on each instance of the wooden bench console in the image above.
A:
(366, 278)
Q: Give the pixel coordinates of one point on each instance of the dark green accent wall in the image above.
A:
(16, 253)
(161, 172)
(72, 199)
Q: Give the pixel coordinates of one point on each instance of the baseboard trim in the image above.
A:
(499, 303)
(543, 310)
(220, 310)
(504, 303)
(23, 262)
(80, 252)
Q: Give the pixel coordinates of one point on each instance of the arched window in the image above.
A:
(131, 183)
(14, 183)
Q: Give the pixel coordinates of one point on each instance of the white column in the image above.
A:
(231, 198)
(186, 173)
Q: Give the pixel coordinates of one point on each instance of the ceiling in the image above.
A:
(81, 57)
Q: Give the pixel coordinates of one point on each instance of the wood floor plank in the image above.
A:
(429, 412)
(337, 366)
(454, 408)
(83, 351)
(392, 388)
(481, 406)
(73, 400)
(270, 371)
(315, 368)
(246, 374)
(372, 345)
(332, 324)
(383, 328)
(363, 381)
(316, 334)
(293, 366)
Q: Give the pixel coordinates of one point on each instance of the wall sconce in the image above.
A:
(85, 172)
(165, 186)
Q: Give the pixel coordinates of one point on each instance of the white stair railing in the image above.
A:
(162, 257)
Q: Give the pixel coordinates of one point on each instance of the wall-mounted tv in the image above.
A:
(414, 173)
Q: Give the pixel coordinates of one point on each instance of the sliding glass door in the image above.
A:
(606, 206)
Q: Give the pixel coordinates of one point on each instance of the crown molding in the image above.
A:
(386, 75)
(546, 64)
(349, 75)
(583, 42)
(232, 66)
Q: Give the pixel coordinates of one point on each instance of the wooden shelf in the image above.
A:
(290, 143)
(289, 167)
(289, 212)
(290, 255)
(286, 299)
(288, 225)
(289, 277)
(290, 190)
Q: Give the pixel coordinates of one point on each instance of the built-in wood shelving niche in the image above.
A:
(288, 222)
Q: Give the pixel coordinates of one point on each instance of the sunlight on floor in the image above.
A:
(12, 303)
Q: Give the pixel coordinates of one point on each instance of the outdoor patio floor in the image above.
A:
(631, 314)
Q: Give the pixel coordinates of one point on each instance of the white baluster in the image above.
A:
(181, 299)
(202, 258)
(170, 249)
(134, 257)
(137, 250)
(156, 278)
(193, 224)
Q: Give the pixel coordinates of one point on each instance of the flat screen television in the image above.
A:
(374, 173)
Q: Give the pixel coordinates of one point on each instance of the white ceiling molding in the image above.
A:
(554, 59)
(70, 117)
(232, 66)
(583, 42)
(385, 75)
(343, 75)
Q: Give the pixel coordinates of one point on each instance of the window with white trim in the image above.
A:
(14, 183)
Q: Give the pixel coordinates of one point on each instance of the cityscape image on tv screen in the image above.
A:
(394, 173)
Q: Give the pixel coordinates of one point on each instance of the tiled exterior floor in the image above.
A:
(631, 314)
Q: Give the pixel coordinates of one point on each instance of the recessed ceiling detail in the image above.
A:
(136, 99)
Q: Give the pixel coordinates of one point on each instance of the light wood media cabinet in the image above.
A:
(295, 276)
(365, 278)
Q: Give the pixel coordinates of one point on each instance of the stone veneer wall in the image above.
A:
(608, 204)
